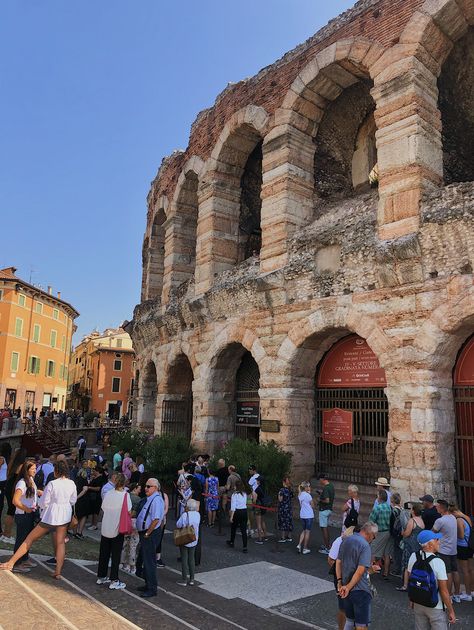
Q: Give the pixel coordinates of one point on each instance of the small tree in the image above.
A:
(131, 441)
(272, 462)
(164, 456)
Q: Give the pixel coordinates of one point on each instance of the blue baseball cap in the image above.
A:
(426, 536)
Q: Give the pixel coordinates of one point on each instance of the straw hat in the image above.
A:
(382, 481)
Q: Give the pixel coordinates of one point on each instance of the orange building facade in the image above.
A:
(36, 331)
(101, 374)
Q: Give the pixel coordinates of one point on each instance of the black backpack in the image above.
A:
(352, 517)
(422, 585)
(39, 479)
(395, 524)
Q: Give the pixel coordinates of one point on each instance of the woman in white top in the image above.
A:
(306, 516)
(56, 512)
(191, 517)
(111, 541)
(25, 500)
(353, 501)
(238, 514)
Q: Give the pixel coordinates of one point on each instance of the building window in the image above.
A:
(18, 327)
(36, 333)
(116, 385)
(54, 336)
(15, 361)
(33, 365)
(1, 295)
(119, 343)
(39, 308)
(117, 365)
(63, 342)
(55, 313)
(21, 300)
(50, 368)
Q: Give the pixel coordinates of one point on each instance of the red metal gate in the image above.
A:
(464, 437)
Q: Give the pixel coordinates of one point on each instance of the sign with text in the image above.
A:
(351, 363)
(270, 426)
(248, 412)
(337, 426)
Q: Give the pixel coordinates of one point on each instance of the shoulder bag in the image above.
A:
(184, 535)
(125, 523)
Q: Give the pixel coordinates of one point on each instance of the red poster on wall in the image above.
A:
(351, 363)
(464, 372)
(337, 426)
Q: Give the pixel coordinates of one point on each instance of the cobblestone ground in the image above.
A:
(270, 587)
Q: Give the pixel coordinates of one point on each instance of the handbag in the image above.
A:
(74, 520)
(125, 523)
(184, 535)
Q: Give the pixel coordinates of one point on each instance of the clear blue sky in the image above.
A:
(93, 94)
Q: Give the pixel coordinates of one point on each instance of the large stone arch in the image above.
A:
(153, 254)
(181, 226)
(147, 395)
(218, 229)
(289, 147)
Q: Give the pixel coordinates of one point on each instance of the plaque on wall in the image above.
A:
(270, 426)
(337, 426)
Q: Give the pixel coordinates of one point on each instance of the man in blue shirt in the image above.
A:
(149, 519)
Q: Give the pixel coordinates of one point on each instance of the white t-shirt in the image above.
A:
(238, 501)
(334, 551)
(112, 508)
(439, 569)
(253, 481)
(30, 501)
(47, 469)
(141, 468)
(190, 518)
(306, 511)
(57, 500)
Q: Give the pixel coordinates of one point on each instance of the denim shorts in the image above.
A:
(357, 606)
(324, 517)
(307, 523)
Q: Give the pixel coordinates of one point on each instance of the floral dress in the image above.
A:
(212, 504)
(285, 511)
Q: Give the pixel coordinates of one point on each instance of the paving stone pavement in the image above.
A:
(271, 587)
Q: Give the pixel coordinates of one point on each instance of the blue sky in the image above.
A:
(94, 94)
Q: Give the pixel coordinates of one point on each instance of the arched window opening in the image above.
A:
(187, 213)
(351, 413)
(177, 409)
(345, 143)
(149, 390)
(247, 400)
(156, 256)
(464, 437)
(250, 233)
(456, 91)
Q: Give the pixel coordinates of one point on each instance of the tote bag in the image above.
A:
(184, 535)
(125, 523)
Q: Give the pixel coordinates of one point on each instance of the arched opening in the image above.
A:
(156, 257)
(463, 383)
(184, 253)
(351, 413)
(145, 248)
(456, 90)
(177, 406)
(250, 232)
(149, 390)
(346, 154)
(247, 400)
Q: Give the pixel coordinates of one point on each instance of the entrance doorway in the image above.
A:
(464, 435)
(351, 414)
(247, 400)
(177, 407)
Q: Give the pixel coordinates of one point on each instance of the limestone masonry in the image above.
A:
(312, 251)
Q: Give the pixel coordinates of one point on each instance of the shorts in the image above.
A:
(341, 603)
(357, 606)
(307, 523)
(324, 517)
(465, 553)
(450, 562)
(259, 511)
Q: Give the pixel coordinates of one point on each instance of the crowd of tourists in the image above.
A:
(426, 545)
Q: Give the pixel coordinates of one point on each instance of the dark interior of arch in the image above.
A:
(248, 375)
(336, 139)
(180, 377)
(456, 95)
(188, 210)
(250, 233)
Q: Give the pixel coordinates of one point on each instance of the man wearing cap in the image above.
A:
(429, 514)
(446, 525)
(382, 483)
(433, 618)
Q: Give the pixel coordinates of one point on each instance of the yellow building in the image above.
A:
(36, 331)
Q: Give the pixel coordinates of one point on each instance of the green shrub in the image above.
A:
(271, 460)
(131, 441)
(164, 456)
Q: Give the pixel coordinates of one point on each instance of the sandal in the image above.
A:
(402, 589)
(56, 576)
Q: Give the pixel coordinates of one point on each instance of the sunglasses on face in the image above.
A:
(150, 486)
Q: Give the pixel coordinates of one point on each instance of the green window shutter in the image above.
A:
(15, 361)
(37, 365)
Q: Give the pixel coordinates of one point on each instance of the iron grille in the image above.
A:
(365, 459)
(464, 439)
(177, 418)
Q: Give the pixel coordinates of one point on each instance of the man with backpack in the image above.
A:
(428, 585)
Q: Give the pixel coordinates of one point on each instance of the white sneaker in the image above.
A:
(464, 597)
(105, 580)
(456, 599)
(305, 551)
(9, 540)
(298, 547)
(117, 585)
(182, 583)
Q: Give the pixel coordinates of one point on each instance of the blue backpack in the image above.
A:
(422, 585)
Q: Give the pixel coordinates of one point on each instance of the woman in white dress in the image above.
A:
(56, 512)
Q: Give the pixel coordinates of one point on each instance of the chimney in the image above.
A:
(59, 295)
(50, 290)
